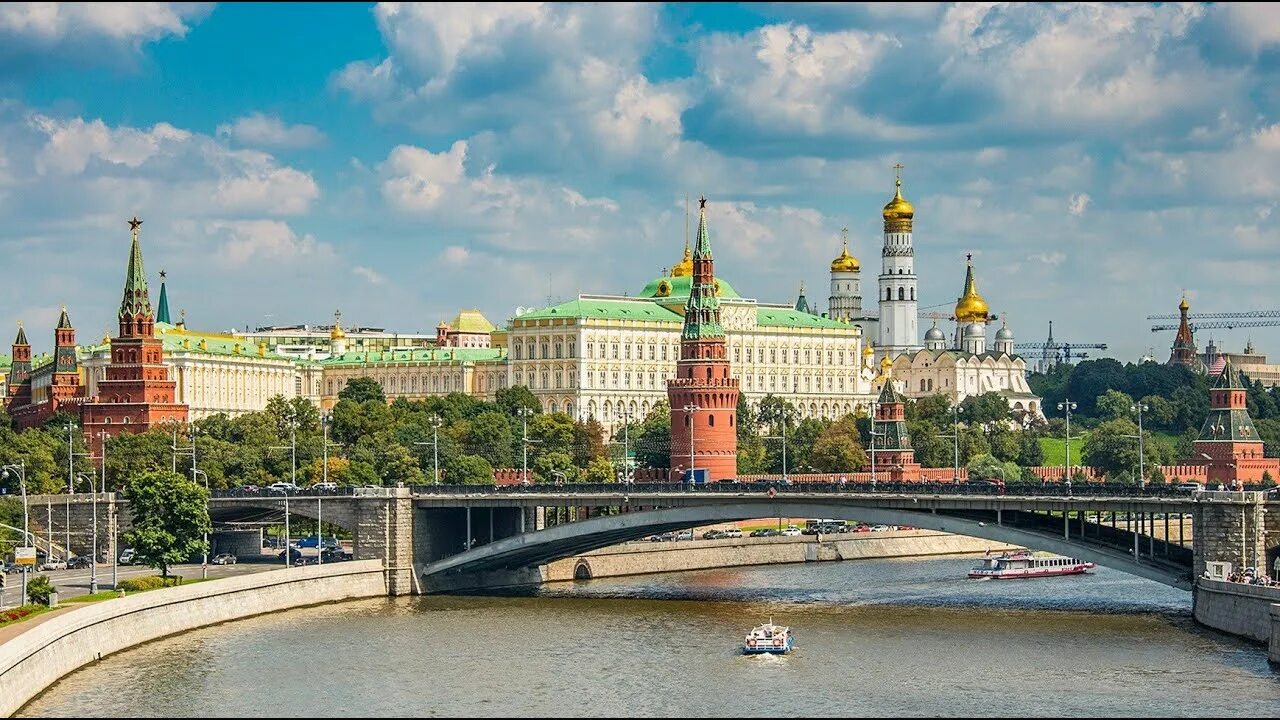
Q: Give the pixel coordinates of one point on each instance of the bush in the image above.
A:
(1267, 480)
(16, 613)
(39, 588)
(150, 582)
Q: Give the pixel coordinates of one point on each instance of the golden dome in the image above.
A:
(846, 262)
(684, 268)
(336, 333)
(869, 350)
(1184, 305)
(970, 307)
(899, 213)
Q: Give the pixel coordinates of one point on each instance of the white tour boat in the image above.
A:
(1023, 564)
(768, 638)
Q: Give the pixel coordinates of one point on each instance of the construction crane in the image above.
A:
(1219, 321)
(1052, 352)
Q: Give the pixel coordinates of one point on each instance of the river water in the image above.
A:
(874, 638)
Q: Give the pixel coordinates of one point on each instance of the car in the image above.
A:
(78, 562)
(732, 533)
(127, 556)
(54, 565)
(250, 488)
(791, 531)
(762, 532)
(294, 554)
(224, 559)
(880, 528)
(1192, 487)
(712, 535)
(282, 487)
(684, 535)
(325, 486)
(11, 568)
(304, 561)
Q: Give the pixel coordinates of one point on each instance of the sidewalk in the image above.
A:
(12, 631)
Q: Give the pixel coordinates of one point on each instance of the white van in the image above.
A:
(127, 556)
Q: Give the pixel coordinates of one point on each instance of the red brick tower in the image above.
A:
(20, 372)
(137, 392)
(66, 386)
(894, 455)
(1228, 436)
(1183, 351)
(704, 399)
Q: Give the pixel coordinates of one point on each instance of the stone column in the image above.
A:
(384, 530)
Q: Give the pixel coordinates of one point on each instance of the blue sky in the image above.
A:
(402, 161)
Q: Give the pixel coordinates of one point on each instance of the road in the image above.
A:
(76, 582)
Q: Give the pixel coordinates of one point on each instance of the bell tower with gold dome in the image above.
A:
(898, 323)
(972, 315)
(845, 302)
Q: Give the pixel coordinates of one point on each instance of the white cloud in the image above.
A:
(118, 20)
(264, 240)
(372, 276)
(270, 131)
(257, 184)
(1253, 25)
(73, 143)
(455, 255)
(1052, 259)
(418, 178)
(1078, 203)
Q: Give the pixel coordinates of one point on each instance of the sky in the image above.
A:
(400, 162)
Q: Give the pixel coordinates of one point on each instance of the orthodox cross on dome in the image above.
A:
(897, 172)
(844, 235)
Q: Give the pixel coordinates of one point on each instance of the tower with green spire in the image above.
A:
(802, 303)
(136, 318)
(703, 396)
(162, 307)
(20, 371)
(893, 454)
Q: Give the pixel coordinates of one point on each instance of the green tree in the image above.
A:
(838, 448)
(751, 450)
(361, 390)
(988, 467)
(169, 516)
(932, 450)
(1030, 451)
(1110, 449)
(588, 442)
(1005, 444)
(130, 456)
(988, 410)
(1114, 405)
(934, 408)
(489, 436)
(470, 470)
(548, 464)
(1267, 480)
(599, 471)
(550, 433)
(511, 399)
(652, 444)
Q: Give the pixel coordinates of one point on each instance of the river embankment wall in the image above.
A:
(641, 558)
(37, 658)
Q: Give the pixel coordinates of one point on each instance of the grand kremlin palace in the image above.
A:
(609, 356)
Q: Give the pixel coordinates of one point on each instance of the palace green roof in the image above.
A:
(638, 310)
(788, 317)
(678, 287)
(442, 355)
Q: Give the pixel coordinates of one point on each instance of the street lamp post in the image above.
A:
(874, 435)
(1067, 406)
(293, 479)
(20, 470)
(524, 413)
(436, 422)
(955, 435)
(93, 552)
(625, 416)
(1142, 468)
(66, 550)
(689, 410)
(782, 437)
(115, 564)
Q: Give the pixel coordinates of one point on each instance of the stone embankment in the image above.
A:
(35, 659)
(639, 558)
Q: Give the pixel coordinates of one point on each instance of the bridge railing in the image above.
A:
(731, 487)
(269, 494)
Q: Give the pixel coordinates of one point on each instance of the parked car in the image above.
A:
(282, 487)
(250, 488)
(712, 535)
(11, 568)
(862, 527)
(224, 559)
(732, 533)
(684, 535)
(880, 528)
(78, 562)
(127, 556)
(762, 532)
(54, 565)
(791, 531)
(305, 561)
(325, 486)
(294, 554)
(1191, 487)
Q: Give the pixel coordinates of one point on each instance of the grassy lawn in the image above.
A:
(1055, 452)
(104, 595)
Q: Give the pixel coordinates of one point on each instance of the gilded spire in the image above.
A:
(162, 307)
(135, 302)
(64, 322)
(899, 213)
(970, 307)
(22, 336)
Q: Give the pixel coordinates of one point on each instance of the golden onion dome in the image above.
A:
(336, 333)
(970, 307)
(869, 350)
(1184, 305)
(899, 213)
(846, 262)
(684, 268)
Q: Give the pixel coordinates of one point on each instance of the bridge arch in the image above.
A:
(530, 549)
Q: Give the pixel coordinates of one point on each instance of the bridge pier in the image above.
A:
(1240, 532)
(385, 530)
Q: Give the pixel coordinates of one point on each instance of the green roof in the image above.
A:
(38, 361)
(181, 340)
(789, 317)
(443, 355)
(6, 361)
(638, 310)
(678, 287)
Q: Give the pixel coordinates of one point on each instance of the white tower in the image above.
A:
(337, 338)
(897, 299)
(845, 302)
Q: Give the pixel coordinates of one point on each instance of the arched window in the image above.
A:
(730, 419)
(686, 421)
(888, 293)
(711, 420)
(708, 373)
(902, 293)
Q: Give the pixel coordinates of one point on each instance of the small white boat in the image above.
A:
(1024, 564)
(768, 638)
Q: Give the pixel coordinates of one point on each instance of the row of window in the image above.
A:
(638, 351)
(902, 294)
(529, 350)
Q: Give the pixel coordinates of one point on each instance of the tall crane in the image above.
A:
(1222, 321)
(1051, 352)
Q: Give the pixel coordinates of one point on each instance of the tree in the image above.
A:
(1114, 405)
(470, 470)
(599, 471)
(511, 399)
(934, 408)
(490, 437)
(1005, 444)
(1030, 451)
(548, 464)
(361, 390)
(988, 467)
(1110, 450)
(932, 450)
(751, 451)
(130, 456)
(588, 442)
(170, 515)
(39, 588)
(652, 444)
(838, 448)
(1267, 480)
(987, 410)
